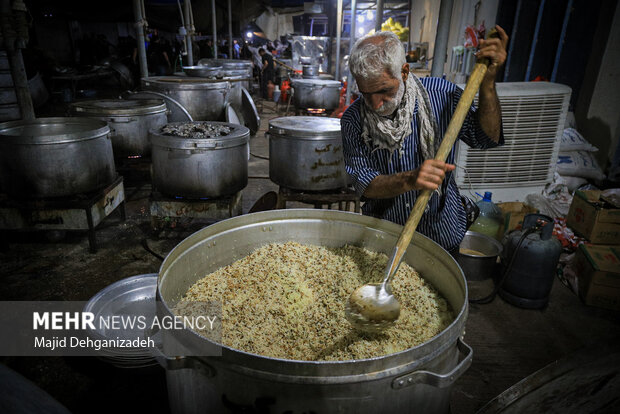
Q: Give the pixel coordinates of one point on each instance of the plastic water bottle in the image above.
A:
(490, 219)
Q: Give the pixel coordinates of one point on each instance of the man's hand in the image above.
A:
(430, 175)
(495, 50)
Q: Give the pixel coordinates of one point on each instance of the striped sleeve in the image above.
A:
(471, 132)
(357, 155)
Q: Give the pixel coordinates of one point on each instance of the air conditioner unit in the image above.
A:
(533, 116)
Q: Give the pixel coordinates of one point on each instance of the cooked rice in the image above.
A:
(288, 300)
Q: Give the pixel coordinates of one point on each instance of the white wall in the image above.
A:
(599, 119)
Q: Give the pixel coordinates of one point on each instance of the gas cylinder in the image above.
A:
(529, 260)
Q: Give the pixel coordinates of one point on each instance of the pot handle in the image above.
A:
(438, 380)
(122, 120)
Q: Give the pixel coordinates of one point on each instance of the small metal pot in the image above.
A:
(478, 266)
(310, 71)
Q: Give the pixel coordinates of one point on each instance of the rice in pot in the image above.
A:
(288, 300)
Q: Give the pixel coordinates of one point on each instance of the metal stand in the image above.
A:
(79, 212)
(344, 197)
(172, 209)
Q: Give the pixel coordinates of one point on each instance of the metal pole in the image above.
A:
(379, 17)
(188, 32)
(338, 32)
(441, 39)
(137, 11)
(230, 39)
(214, 22)
(351, 43)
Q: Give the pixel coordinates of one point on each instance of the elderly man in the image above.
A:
(392, 132)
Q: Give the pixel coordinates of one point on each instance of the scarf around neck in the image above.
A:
(381, 132)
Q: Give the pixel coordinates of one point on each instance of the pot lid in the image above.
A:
(249, 112)
(57, 130)
(316, 82)
(206, 135)
(132, 296)
(119, 107)
(182, 82)
(231, 115)
(312, 127)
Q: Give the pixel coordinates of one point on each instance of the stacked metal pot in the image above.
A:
(202, 98)
(129, 122)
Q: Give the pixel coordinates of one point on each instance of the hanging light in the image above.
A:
(360, 30)
(248, 35)
(360, 18)
(370, 15)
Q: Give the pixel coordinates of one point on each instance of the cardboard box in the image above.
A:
(593, 218)
(598, 270)
(514, 213)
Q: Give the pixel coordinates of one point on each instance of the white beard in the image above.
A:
(391, 105)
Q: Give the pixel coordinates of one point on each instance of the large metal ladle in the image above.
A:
(373, 307)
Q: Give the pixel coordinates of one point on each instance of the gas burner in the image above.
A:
(316, 111)
(134, 157)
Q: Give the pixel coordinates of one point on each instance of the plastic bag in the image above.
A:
(572, 140)
(579, 164)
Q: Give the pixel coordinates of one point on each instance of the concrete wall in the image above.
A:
(597, 111)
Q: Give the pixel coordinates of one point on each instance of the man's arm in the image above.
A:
(428, 177)
(489, 111)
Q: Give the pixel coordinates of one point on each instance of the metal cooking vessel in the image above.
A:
(55, 157)
(479, 267)
(199, 168)
(305, 153)
(418, 379)
(227, 64)
(203, 98)
(129, 122)
(236, 77)
(310, 71)
(316, 93)
(202, 71)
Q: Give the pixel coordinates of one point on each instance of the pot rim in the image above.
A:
(381, 366)
(279, 129)
(140, 107)
(189, 83)
(317, 83)
(240, 135)
(92, 128)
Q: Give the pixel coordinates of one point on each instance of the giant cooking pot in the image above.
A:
(305, 153)
(418, 379)
(316, 93)
(55, 157)
(202, 98)
(200, 167)
(129, 122)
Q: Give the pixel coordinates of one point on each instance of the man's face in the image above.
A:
(382, 94)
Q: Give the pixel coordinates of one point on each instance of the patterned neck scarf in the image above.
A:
(380, 132)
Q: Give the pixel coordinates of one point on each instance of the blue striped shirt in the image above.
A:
(444, 220)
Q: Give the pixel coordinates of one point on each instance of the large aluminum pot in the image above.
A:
(419, 379)
(202, 98)
(129, 122)
(198, 168)
(316, 93)
(55, 157)
(305, 153)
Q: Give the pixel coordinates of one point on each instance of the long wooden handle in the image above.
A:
(285, 65)
(473, 84)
